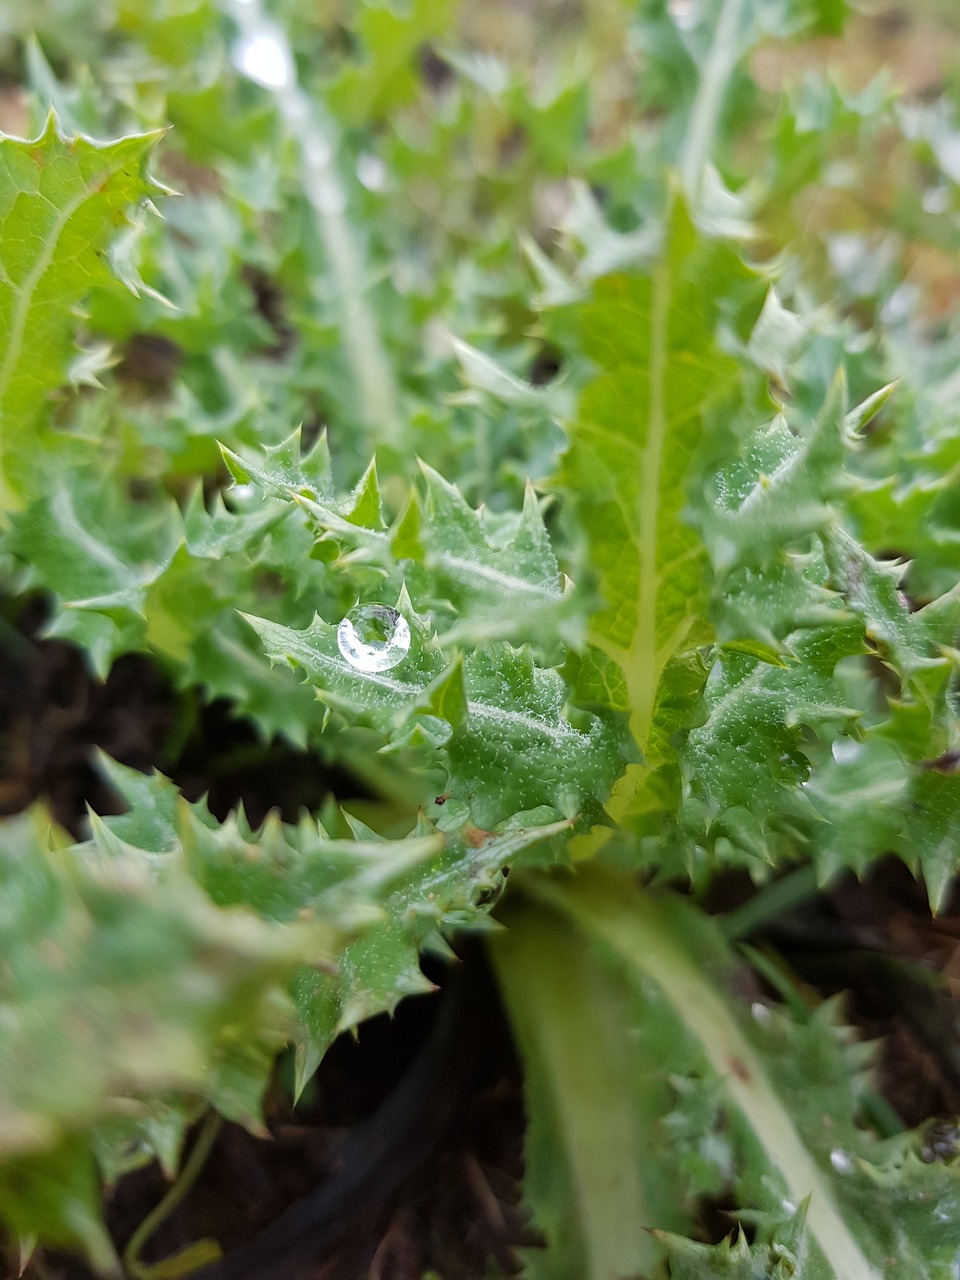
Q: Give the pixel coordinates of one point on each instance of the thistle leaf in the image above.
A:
(62, 201)
(831, 1199)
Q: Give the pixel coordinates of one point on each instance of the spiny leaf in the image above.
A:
(863, 794)
(788, 1096)
(385, 698)
(383, 899)
(62, 201)
(56, 1197)
(593, 1095)
(516, 749)
(730, 1260)
(506, 586)
(634, 453)
(907, 639)
(780, 488)
(130, 574)
(124, 985)
(99, 555)
(752, 737)
(284, 467)
(931, 835)
(390, 39)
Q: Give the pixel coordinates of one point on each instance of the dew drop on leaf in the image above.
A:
(846, 750)
(373, 637)
(841, 1161)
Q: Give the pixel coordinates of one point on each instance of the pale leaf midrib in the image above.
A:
(84, 540)
(466, 570)
(647, 944)
(547, 990)
(29, 287)
(642, 672)
(701, 128)
(558, 731)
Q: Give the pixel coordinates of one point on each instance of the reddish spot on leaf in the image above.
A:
(740, 1069)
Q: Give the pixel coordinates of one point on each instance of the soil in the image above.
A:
(442, 1190)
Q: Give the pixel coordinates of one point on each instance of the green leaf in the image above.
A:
(779, 489)
(62, 202)
(227, 661)
(446, 697)
(596, 1166)
(861, 792)
(776, 338)
(99, 554)
(648, 560)
(749, 751)
(384, 899)
(733, 1259)
(788, 1095)
(56, 1197)
(931, 836)
(284, 467)
(122, 985)
(906, 639)
(516, 749)
(155, 1130)
(153, 816)
(168, 960)
(635, 453)
(384, 698)
(386, 75)
(483, 583)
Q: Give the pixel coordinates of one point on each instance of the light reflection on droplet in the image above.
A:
(373, 637)
(264, 57)
(847, 750)
(841, 1161)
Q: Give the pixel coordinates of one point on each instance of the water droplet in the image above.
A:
(264, 57)
(373, 637)
(842, 1161)
(847, 750)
